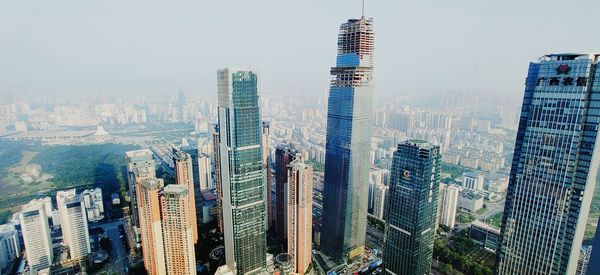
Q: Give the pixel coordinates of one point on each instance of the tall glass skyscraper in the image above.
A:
(348, 147)
(554, 167)
(243, 180)
(412, 208)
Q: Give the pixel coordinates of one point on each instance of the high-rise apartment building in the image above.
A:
(243, 184)
(36, 236)
(299, 217)
(10, 246)
(184, 176)
(150, 225)
(554, 167)
(473, 181)
(348, 143)
(204, 173)
(448, 205)
(75, 229)
(177, 230)
(198, 177)
(140, 166)
(380, 198)
(62, 198)
(284, 155)
(412, 208)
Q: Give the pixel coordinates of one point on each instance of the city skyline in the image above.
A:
(440, 172)
(93, 56)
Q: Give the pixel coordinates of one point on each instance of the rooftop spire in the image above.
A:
(363, 8)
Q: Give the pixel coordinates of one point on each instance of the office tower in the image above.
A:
(140, 166)
(10, 248)
(242, 173)
(62, 197)
(554, 167)
(177, 230)
(217, 176)
(348, 145)
(75, 225)
(36, 236)
(412, 208)
(284, 154)
(380, 198)
(184, 176)
(299, 218)
(266, 133)
(448, 205)
(150, 225)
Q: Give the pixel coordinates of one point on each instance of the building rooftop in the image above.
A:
(138, 153)
(479, 224)
(178, 189)
(570, 56)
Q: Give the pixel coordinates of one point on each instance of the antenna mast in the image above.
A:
(363, 8)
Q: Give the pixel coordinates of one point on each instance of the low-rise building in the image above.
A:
(94, 206)
(470, 201)
(485, 235)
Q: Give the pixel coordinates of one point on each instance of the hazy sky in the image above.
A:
(160, 46)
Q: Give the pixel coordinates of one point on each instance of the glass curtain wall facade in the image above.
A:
(243, 180)
(412, 209)
(348, 145)
(554, 167)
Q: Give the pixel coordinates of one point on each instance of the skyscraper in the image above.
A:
(75, 229)
(184, 176)
(554, 167)
(448, 205)
(243, 185)
(140, 166)
(299, 218)
(348, 147)
(36, 236)
(284, 154)
(412, 208)
(150, 225)
(177, 230)
(217, 176)
(266, 133)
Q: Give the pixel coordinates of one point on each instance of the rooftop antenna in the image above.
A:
(363, 8)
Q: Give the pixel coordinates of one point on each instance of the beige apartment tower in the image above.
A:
(184, 176)
(299, 218)
(178, 229)
(150, 226)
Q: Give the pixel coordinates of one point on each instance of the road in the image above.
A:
(119, 257)
(493, 209)
(374, 237)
